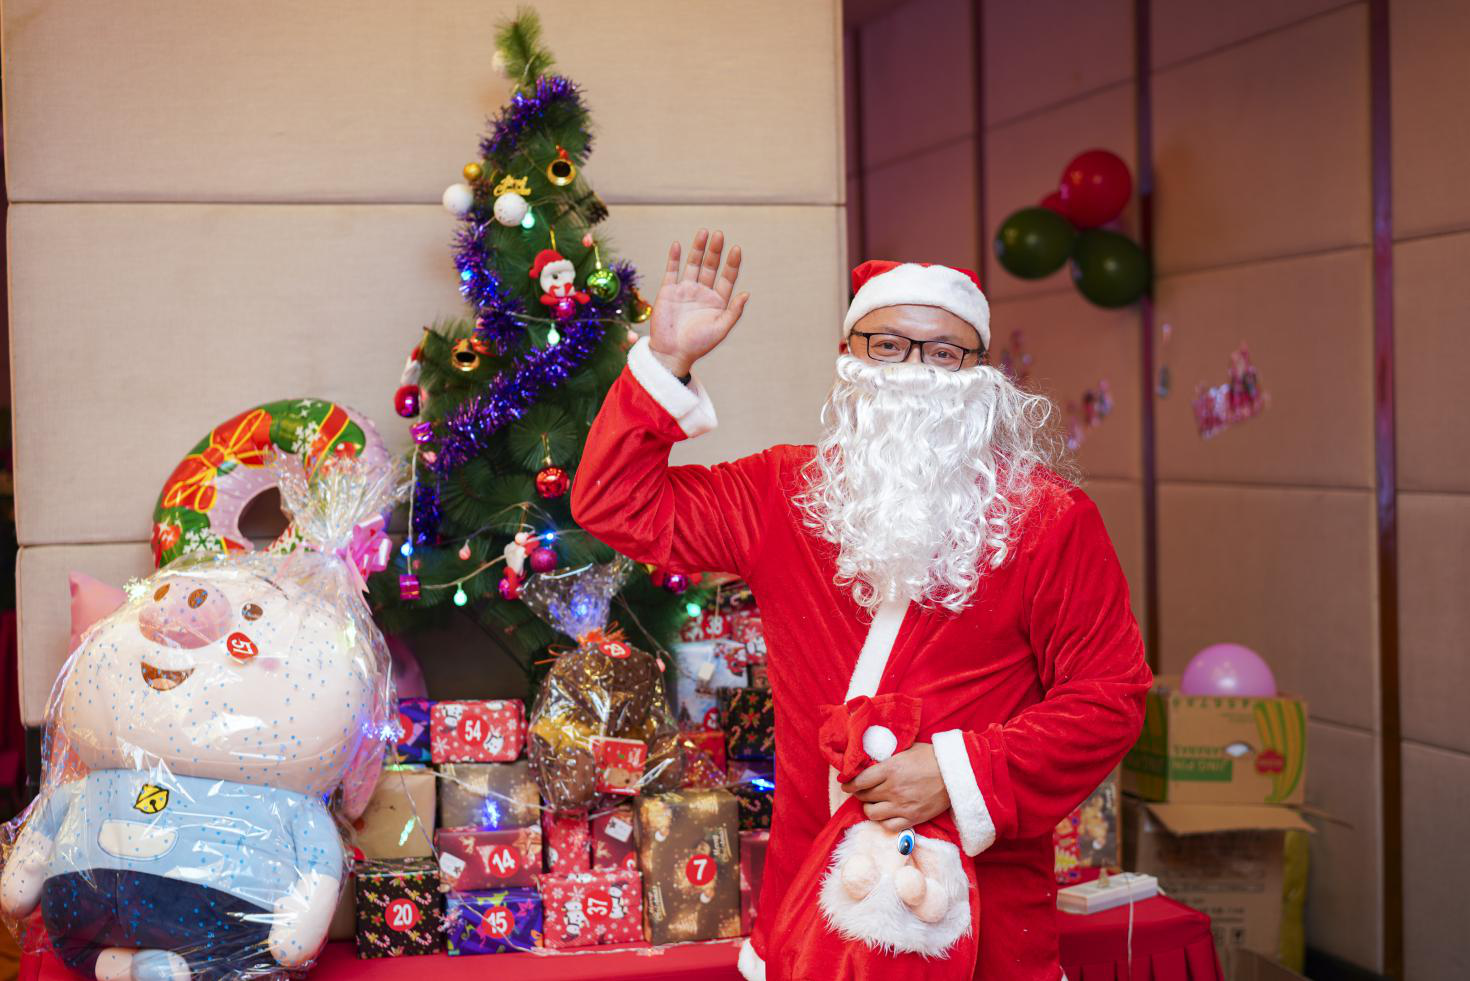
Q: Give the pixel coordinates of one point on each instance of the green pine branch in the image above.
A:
(519, 43)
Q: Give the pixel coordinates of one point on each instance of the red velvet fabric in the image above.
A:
(1171, 942)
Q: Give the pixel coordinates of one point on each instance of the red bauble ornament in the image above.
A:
(510, 585)
(566, 308)
(1095, 188)
(552, 482)
(543, 560)
(406, 401)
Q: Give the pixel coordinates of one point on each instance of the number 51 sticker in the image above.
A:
(700, 870)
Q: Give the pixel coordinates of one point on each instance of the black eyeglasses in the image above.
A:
(892, 348)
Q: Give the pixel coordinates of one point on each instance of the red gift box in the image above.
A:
(584, 908)
(619, 764)
(704, 757)
(485, 858)
(568, 843)
(613, 843)
(752, 872)
(477, 732)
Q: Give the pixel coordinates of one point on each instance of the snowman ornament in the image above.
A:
(558, 279)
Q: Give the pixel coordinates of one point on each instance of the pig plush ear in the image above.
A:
(362, 778)
(91, 600)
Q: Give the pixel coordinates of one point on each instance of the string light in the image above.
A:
(553, 338)
(692, 609)
(406, 549)
(460, 596)
(530, 220)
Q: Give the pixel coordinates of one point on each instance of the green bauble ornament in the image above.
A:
(1034, 242)
(1108, 268)
(604, 284)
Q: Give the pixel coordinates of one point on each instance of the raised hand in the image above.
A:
(693, 312)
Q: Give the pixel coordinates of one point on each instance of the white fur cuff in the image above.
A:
(966, 803)
(752, 968)
(688, 404)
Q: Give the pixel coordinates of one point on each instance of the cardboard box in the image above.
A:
(688, 850)
(488, 795)
(1088, 838)
(1250, 966)
(1226, 860)
(399, 819)
(1204, 749)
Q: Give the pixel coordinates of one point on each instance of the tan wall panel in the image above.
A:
(1189, 28)
(1047, 51)
(1261, 149)
(1074, 346)
(1308, 323)
(907, 108)
(1436, 867)
(1289, 573)
(193, 312)
(1121, 505)
(1024, 161)
(922, 208)
(1432, 362)
(1345, 895)
(1434, 620)
(1431, 146)
(376, 100)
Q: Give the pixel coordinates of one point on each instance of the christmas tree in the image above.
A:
(502, 399)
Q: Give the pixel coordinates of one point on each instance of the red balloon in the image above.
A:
(1053, 202)
(1095, 188)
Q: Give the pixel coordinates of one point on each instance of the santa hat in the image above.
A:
(548, 257)
(884, 283)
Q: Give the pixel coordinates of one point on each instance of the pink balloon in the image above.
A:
(1228, 669)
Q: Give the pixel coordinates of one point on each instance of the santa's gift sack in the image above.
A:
(568, 842)
(704, 757)
(749, 719)
(757, 799)
(399, 819)
(413, 728)
(477, 731)
(688, 844)
(752, 872)
(488, 858)
(614, 845)
(398, 908)
(704, 667)
(585, 908)
(497, 921)
(487, 795)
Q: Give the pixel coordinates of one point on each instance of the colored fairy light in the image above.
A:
(530, 220)
(552, 338)
(692, 609)
(460, 596)
(406, 548)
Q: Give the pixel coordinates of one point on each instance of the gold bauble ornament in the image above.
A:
(641, 310)
(473, 172)
(463, 356)
(561, 171)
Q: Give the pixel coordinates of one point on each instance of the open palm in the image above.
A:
(694, 311)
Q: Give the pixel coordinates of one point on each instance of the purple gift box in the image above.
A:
(496, 921)
(413, 719)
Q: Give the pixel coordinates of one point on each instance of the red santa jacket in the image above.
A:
(1030, 696)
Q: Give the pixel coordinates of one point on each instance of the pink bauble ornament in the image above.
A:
(1228, 669)
(675, 582)
(566, 308)
(406, 401)
(543, 560)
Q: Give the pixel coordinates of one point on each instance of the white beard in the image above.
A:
(921, 476)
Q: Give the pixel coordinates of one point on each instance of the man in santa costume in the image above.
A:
(926, 549)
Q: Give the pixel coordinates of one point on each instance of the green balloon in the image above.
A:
(1108, 268)
(1034, 242)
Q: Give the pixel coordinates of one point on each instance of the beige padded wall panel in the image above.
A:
(1436, 867)
(45, 607)
(1432, 362)
(907, 108)
(1431, 144)
(922, 208)
(1262, 149)
(1043, 52)
(381, 100)
(194, 312)
(1074, 346)
(1434, 619)
(1287, 572)
(1121, 505)
(1189, 28)
(1308, 324)
(1024, 161)
(1345, 895)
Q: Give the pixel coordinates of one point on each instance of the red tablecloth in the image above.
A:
(1171, 942)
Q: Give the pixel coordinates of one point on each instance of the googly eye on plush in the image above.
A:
(251, 611)
(906, 843)
(197, 598)
(161, 592)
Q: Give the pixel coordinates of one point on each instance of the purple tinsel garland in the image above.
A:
(525, 110)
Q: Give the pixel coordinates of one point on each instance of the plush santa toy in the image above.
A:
(558, 278)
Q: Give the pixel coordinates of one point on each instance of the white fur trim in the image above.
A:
(966, 803)
(688, 404)
(930, 286)
(880, 919)
(879, 742)
(752, 967)
(867, 674)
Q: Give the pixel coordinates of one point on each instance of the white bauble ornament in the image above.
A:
(510, 208)
(497, 63)
(458, 199)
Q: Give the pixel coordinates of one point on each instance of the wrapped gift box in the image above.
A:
(704, 667)
(493, 922)
(1088, 837)
(756, 796)
(619, 764)
(613, 843)
(413, 724)
(477, 732)
(399, 819)
(749, 721)
(704, 757)
(398, 910)
(568, 842)
(687, 843)
(752, 871)
(745, 771)
(484, 858)
(598, 907)
(488, 795)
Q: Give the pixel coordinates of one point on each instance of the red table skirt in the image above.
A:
(1171, 942)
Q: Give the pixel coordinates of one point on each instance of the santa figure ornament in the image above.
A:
(558, 279)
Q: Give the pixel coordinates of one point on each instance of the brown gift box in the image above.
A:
(488, 795)
(688, 851)
(399, 819)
